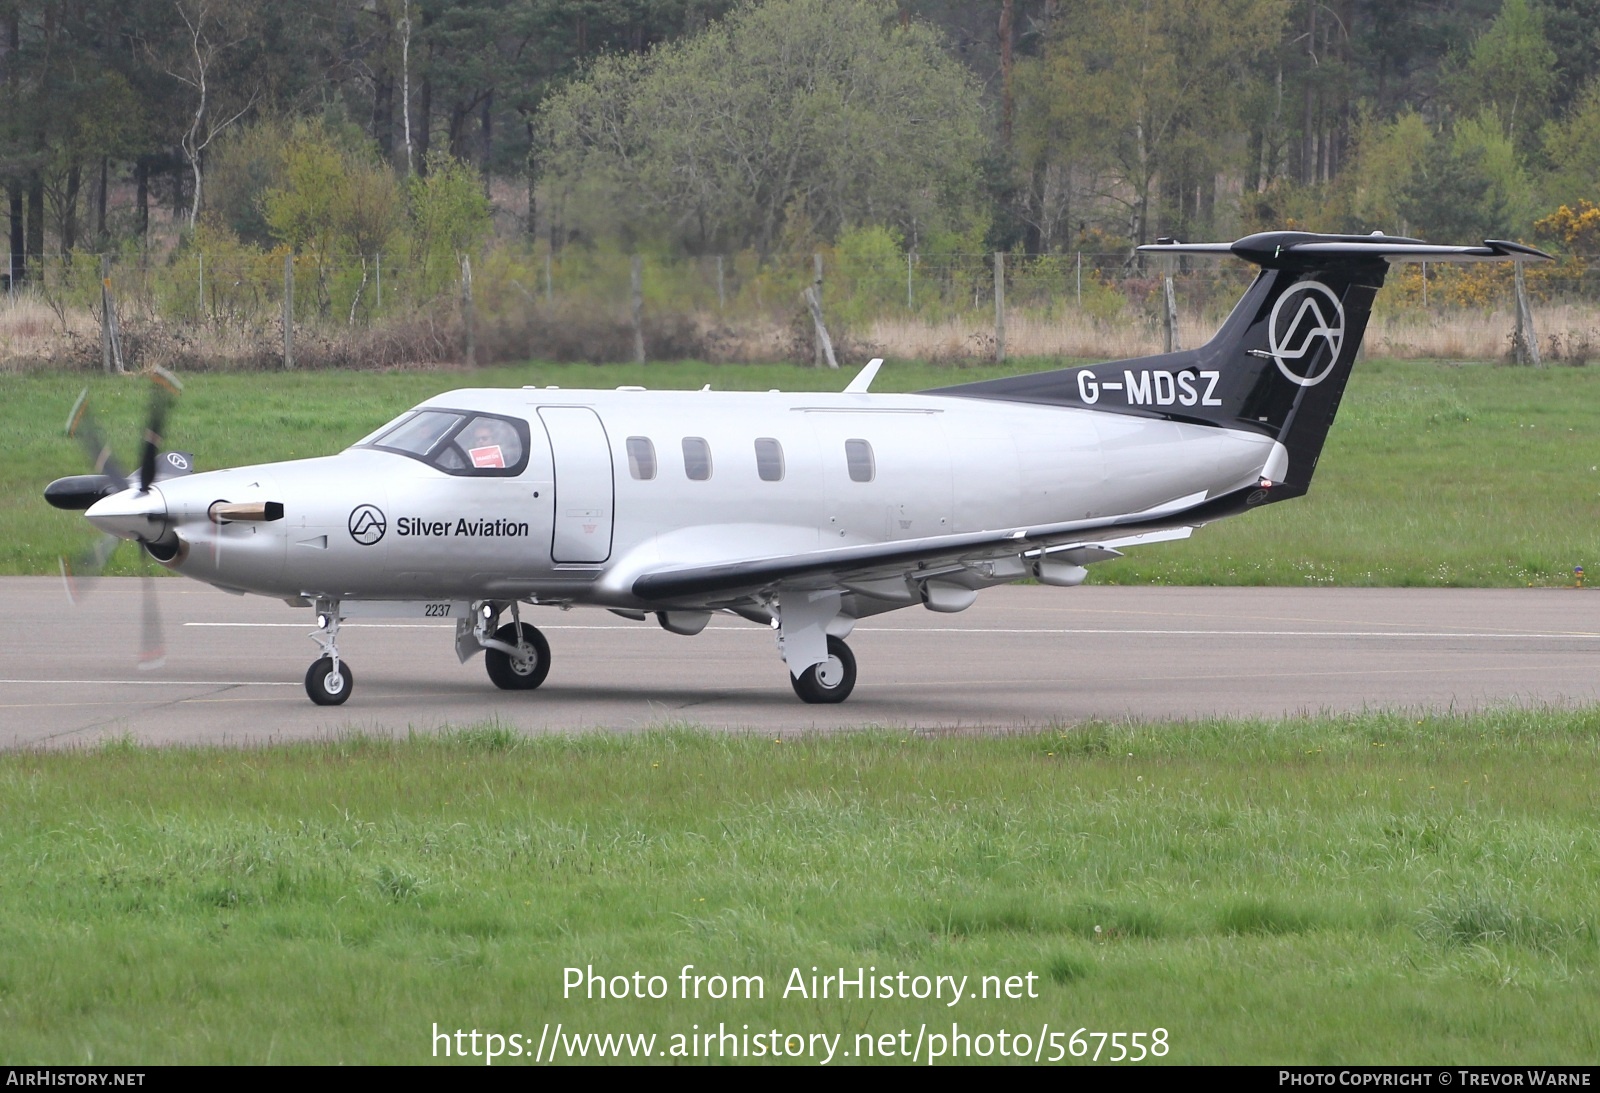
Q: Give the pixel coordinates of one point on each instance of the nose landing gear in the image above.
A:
(329, 680)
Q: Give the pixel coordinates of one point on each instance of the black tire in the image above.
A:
(506, 671)
(326, 688)
(830, 681)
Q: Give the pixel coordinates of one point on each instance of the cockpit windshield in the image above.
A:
(419, 434)
(457, 441)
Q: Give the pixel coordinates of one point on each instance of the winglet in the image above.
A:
(864, 378)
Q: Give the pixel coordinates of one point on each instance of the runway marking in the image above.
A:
(156, 682)
(374, 625)
(1079, 631)
(1240, 633)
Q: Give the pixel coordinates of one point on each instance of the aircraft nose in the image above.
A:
(131, 515)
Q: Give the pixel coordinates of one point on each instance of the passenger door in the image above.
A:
(584, 484)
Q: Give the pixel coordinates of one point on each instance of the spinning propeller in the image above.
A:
(124, 509)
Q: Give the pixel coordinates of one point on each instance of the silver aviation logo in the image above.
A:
(1305, 320)
(367, 524)
(177, 461)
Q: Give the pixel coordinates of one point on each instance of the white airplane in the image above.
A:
(803, 512)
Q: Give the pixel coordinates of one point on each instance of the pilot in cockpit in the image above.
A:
(490, 442)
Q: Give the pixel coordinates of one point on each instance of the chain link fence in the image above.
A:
(249, 308)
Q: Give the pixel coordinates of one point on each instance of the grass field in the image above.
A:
(1375, 889)
(1434, 474)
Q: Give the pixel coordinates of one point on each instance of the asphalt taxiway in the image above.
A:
(1020, 657)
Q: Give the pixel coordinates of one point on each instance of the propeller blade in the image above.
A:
(80, 573)
(141, 518)
(164, 391)
(152, 638)
(81, 426)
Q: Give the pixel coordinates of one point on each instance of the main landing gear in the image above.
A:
(832, 680)
(517, 658)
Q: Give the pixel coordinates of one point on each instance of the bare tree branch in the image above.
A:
(205, 127)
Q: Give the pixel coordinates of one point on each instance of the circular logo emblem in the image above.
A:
(1256, 497)
(1306, 332)
(367, 524)
(178, 461)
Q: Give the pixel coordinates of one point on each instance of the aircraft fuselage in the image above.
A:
(617, 483)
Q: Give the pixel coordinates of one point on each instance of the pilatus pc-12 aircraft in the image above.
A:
(802, 512)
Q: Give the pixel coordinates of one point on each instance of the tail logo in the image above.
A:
(1304, 321)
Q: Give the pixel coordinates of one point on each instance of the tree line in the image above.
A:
(716, 126)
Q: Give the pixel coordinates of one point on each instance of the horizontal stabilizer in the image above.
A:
(1306, 250)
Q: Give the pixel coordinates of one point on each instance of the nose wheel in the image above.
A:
(832, 680)
(329, 681)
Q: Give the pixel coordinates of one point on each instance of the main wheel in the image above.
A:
(327, 687)
(510, 673)
(830, 681)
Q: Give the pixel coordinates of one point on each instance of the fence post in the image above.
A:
(11, 274)
(378, 261)
(824, 351)
(201, 280)
(999, 306)
(105, 312)
(722, 299)
(1526, 339)
(288, 312)
(1080, 280)
(636, 306)
(1424, 286)
(111, 336)
(824, 344)
(910, 300)
(468, 318)
(549, 289)
(1171, 311)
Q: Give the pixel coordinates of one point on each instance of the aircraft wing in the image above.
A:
(1082, 541)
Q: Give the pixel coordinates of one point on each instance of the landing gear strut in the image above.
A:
(517, 658)
(329, 680)
(832, 680)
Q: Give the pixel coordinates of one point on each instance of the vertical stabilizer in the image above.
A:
(1280, 361)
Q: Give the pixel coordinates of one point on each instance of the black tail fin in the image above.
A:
(1279, 363)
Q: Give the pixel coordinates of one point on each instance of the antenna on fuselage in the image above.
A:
(864, 378)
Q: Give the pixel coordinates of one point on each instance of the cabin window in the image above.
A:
(696, 458)
(641, 458)
(769, 459)
(858, 455)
